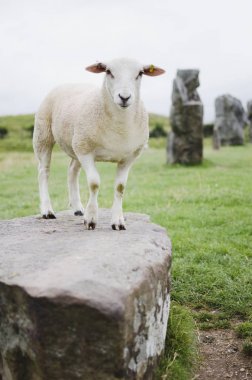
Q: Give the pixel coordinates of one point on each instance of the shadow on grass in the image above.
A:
(205, 165)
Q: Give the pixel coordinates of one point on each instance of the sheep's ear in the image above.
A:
(152, 70)
(97, 68)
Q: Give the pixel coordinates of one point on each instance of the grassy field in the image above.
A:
(206, 211)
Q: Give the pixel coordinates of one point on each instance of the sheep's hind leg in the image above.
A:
(44, 158)
(117, 221)
(93, 179)
(73, 187)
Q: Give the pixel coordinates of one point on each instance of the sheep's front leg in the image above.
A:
(117, 221)
(93, 179)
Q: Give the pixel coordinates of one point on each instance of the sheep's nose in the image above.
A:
(124, 100)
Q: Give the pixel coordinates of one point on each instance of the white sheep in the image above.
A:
(92, 124)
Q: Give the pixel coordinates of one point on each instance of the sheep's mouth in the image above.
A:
(124, 105)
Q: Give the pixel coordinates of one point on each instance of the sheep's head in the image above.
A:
(123, 79)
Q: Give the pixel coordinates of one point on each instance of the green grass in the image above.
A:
(247, 347)
(244, 330)
(212, 320)
(19, 137)
(181, 353)
(206, 210)
(159, 119)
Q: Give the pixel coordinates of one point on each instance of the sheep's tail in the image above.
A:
(42, 136)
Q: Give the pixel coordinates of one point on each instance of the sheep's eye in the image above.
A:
(139, 75)
(109, 73)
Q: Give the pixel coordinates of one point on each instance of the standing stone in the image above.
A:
(229, 121)
(185, 141)
(250, 119)
(82, 305)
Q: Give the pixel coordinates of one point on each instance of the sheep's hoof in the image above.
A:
(120, 227)
(78, 213)
(49, 215)
(90, 225)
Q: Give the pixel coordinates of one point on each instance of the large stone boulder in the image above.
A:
(185, 141)
(230, 120)
(82, 305)
(250, 119)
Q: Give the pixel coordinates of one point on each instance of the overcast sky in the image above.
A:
(44, 43)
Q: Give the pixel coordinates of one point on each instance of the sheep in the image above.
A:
(94, 124)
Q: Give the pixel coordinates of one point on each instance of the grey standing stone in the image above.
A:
(250, 119)
(185, 141)
(230, 120)
(79, 304)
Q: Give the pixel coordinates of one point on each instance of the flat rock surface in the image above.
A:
(82, 304)
(61, 257)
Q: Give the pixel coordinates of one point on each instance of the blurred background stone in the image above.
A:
(185, 141)
(230, 120)
(249, 105)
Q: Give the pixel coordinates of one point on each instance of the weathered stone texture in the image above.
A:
(230, 120)
(250, 119)
(185, 141)
(79, 304)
